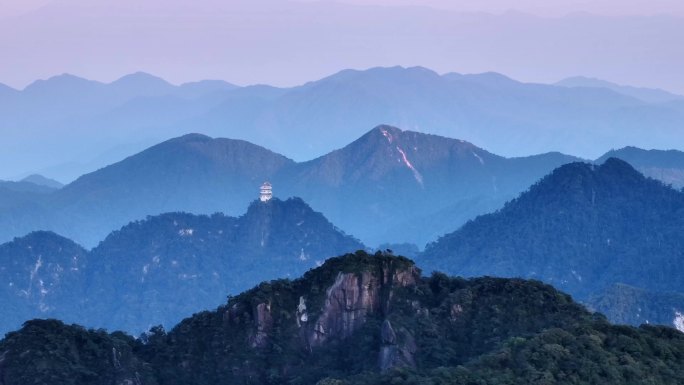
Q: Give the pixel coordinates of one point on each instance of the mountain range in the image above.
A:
(605, 233)
(135, 277)
(387, 186)
(648, 95)
(360, 319)
(584, 228)
(87, 124)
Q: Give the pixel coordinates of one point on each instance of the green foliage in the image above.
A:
(458, 331)
(50, 352)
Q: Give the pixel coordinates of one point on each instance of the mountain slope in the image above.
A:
(361, 319)
(582, 228)
(43, 276)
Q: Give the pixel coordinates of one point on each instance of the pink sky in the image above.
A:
(285, 43)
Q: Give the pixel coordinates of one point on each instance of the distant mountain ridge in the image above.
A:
(495, 112)
(43, 181)
(133, 278)
(649, 95)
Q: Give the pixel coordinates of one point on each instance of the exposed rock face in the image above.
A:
(396, 350)
(264, 324)
(2, 360)
(353, 297)
(678, 321)
(301, 315)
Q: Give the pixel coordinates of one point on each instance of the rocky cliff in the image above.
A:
(356, 313)
(355, 296)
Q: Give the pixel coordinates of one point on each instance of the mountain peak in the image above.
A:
(142, 84)
(138, 78)
(61, 83)
(617, 165)
(43, 238)
(191, 137)
(378, 75)
(40, 180)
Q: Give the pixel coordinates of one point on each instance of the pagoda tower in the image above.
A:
(265, 192)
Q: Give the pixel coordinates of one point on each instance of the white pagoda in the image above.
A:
(266, 192)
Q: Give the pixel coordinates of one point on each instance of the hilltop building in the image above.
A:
(266, 192)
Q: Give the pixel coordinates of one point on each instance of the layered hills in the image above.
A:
(666, 166)
(389, 185)
(386, 186)
(134, 278)
(360, 319)
(583, 228)
(89, 124)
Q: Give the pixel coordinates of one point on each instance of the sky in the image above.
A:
(549, 8)
(286, 43)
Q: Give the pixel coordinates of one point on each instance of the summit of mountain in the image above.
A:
(41, 180)
(141, 84)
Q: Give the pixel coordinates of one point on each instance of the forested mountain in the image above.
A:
(387, 186)
(360, 319)
(583, 228)
(135, 277)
